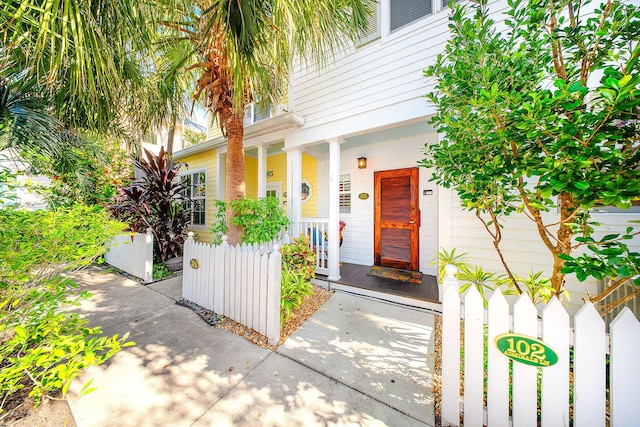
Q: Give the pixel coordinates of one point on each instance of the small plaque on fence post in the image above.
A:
(194, 263)
(527, 350)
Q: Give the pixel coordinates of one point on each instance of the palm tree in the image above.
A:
(85, 55)
(24, 122)
(245, 50)
(173, 86)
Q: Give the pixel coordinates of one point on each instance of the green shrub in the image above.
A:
(298, 257)
(294, 288)
(262, 220)
(298, 268)
(160, 271)
(43, 346)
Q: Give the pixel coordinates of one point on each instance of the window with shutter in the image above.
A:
(403, 12)
(373, 27)
(345, 193)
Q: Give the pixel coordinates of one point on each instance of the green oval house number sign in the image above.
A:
(527, 350)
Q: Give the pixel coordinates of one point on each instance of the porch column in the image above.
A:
(294, 184)
(262, 171)
(334, 209)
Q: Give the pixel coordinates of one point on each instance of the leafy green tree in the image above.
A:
(543, 116)
(244, 51)
(43, 345)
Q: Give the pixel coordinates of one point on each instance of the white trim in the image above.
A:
(274, 124)
(277, 187)
(204, 197)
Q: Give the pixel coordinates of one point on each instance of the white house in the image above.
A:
(371, 104)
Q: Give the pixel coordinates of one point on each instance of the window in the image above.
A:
(274, 189)
(151, 138)
(373, 30)
(8, 184)
(403, 12)
(445, 3)
(345, 193)
(254, 113)
(195, 190)
(634, 209)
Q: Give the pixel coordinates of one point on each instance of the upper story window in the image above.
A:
(254, 113)
(373, 27)
(403, 12)
(445, 3)
(195, 189)
(151, 138)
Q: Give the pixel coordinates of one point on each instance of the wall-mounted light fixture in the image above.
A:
(362, 162)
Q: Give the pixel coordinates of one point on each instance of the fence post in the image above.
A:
(624, 368)
(273, 297)
(497, 364)
(525, 405)
(473, 351)
(148, 256)
(555, 379)
(589, 389)
(188, 277)
(451, 353)
(449, 278)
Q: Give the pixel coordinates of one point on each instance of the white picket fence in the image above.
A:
(240, 282)
(590, 347)
(133, 253)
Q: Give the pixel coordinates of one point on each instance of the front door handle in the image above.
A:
(412, 222)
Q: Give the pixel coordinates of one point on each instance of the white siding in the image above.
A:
(521, 244)
(379, 84)
(358, 235)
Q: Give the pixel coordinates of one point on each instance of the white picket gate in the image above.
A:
(240, 282)
(133, 253)
(590, 347)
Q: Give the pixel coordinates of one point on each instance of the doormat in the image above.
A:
(392, 273)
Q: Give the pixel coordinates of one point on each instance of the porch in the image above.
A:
(354, 279)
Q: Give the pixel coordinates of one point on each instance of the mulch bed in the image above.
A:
(309, 305)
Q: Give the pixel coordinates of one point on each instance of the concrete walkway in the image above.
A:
(355, 362)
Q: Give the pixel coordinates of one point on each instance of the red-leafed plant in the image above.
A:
(156, 201)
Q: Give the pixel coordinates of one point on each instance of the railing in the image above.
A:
(133, 253)
(552, 393)
(626, 289)
(317, 229)
(240, 282)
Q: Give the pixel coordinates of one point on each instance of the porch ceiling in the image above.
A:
(381, 135)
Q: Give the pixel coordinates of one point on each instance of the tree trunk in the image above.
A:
(171, 136)
(235, 169)
(564, 241)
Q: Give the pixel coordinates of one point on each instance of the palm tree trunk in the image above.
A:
(171, 136)
(235, 168)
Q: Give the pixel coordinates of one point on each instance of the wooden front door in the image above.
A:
(397, 219)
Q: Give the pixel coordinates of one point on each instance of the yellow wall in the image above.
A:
(251, 176)
(204, 161)
(310, 173)
(278, 164)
